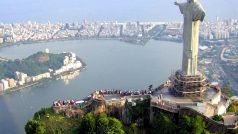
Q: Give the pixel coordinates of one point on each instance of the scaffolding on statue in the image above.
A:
(193, 86)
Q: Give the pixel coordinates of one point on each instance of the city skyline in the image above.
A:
(106, 10)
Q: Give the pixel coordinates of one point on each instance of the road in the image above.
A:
(219, 59)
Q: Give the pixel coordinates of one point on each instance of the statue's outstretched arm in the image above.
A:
(182, 6)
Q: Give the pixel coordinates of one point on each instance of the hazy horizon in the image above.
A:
(14, 11)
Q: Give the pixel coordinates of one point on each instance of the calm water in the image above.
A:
(110, 64)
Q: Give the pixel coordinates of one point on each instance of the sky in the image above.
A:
(13, 11)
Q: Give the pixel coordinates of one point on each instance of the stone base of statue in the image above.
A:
(188, 85)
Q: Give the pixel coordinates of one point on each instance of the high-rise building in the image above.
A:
(21, 77)
(5, 84)
(1, 86)
(1, 40)
(11, 83)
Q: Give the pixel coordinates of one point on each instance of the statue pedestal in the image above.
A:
(188, 85)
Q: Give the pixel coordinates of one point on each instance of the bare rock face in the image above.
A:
(98, 106)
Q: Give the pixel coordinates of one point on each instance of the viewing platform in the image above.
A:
(211, 104)
(160, 98)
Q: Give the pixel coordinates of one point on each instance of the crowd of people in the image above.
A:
(61, 103)
(125, 92)
(101, 94)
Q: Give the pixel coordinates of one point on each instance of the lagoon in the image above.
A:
(110, 65)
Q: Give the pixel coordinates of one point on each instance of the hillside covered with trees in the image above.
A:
(46, 121)
(35, 64)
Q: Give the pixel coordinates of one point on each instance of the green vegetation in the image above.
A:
(194, 125)
(88, 124)
(34, 127)
(101, 124)
(47, 122)
(139, 112)
(35, 64)
(162, 124)
(217, 118)
(165, 124)
(233, 107)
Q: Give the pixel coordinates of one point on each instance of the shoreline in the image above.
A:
(40, 82)
(52, 77)
(3, 45)
(14, 89)
(121, 39)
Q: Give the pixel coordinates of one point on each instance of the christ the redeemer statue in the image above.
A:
(193, 13)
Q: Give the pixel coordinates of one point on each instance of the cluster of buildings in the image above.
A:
(217, 30)
(7, 83)
(218, 60)
(70, 63)
(33, 31)
(30, 31)
(187, 90)
(21, 79)
(229, 58)
(105, 29)
(230, 53)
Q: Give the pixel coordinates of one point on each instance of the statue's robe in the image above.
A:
(193, 13)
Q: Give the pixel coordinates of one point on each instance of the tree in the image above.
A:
(102, 123)
(185, 125)
(233, 107)
(163, 124)
(217, 118)
(115, 126)
(198, 125)
(43, 112)
(88, 124)
(139, 113)
(34, 127)
(188, 125)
